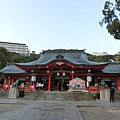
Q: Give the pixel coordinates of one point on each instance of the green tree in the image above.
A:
(3, 54)
(102, 58)
(111, 13)
(117, 58)
(13, 57)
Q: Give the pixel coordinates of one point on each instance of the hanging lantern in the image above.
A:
(33, 78)
(72, 71)
(58, 73)
(63, 73)
(89, 78)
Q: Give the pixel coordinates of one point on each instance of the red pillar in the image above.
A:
(4, 83)
(72, 75)
(12, 80)
(35, 85)
(9, 81)
(49, 82)
(117, 82)
(96, 80)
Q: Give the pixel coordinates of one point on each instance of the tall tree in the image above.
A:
(12, 57)
(111, 13)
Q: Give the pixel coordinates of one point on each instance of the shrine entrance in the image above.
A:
(60, 83)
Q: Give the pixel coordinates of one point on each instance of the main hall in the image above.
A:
(56, 68)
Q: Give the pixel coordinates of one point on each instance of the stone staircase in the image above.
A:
(117, 95)
(58, 95)
(4, 93)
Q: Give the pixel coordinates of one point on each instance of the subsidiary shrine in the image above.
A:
(55, 68)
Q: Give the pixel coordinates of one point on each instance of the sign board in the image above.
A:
(77, 84)
(62, 77)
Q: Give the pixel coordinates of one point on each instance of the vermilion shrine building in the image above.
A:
(57, 67)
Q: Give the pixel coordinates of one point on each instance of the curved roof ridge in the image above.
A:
(77, 57)
(12, 69)
(61, 50)
(112, 68)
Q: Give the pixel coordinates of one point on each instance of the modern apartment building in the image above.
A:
(22, 49)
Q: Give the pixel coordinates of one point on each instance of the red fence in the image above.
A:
(94, 89)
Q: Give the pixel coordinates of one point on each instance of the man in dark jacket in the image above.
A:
(112, 91)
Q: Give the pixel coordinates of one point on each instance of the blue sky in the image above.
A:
(56, 24)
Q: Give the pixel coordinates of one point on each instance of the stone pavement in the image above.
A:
(47, 110)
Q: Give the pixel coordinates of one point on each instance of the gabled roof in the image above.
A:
(76, 57)
(12, 69)
(112, 68)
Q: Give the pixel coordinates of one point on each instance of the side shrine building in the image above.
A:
(55, 68)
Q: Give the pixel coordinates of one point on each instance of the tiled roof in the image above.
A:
(12, 69)
(112, 68)
(77, 57)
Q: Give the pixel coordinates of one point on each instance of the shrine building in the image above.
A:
(57, 67)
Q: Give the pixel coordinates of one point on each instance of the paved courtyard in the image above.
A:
(20, 109)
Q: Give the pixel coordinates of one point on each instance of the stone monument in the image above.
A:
(14, 91)
(104, 92)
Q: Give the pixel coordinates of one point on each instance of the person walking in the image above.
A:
(112, 91)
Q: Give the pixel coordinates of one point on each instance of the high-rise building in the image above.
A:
(20, 48)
